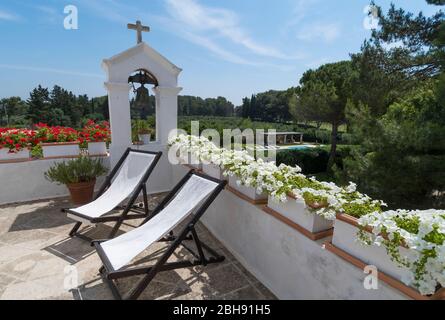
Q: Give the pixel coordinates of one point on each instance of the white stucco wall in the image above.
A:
(24, 181)
(161, 179)
(118, 68)
(288, 263)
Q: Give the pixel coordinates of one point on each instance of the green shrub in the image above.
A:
(309, 160)
(315, 160)
(83, 169)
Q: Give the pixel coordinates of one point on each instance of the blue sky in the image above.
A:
(228, 48)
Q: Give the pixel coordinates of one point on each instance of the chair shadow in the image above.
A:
(75, 249)
(71, 250)
(168, 285)
(47, 217)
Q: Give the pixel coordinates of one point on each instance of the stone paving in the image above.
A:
(39, 261)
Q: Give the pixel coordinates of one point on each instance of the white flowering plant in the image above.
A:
(323, 198)
(422, 232)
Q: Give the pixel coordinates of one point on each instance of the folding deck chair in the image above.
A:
(127, 180)
(186, 203)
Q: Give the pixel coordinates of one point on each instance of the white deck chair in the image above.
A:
(127, 180)
(188, 200)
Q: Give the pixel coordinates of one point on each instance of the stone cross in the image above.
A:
(139, 28)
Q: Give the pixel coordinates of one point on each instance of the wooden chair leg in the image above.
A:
(75, 229)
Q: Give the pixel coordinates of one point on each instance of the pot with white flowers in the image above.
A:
(213, 171)
(296, 210)
(302, 200)
(249, 191)
(79, 175)
(245, 174)
(190, 159)
(409, 246)
(211, 162)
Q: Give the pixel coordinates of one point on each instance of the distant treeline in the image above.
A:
(270, 106)
(58, 106)
(54, 107)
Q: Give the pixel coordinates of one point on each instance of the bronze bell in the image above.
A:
(142, 96)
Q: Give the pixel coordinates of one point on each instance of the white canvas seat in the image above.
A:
(126, 181)
(123, 249)
(189, 199)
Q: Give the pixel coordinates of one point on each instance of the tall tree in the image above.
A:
(245, 108)
(402, 154)
(404, 50)
(39, 105)
(400, 110)
(324, 95)
(254, 107)
(12, 111)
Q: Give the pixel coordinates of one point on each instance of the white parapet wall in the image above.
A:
(291, 265)
(25, 181)
(161, 178)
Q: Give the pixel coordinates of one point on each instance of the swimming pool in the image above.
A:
(300, 147)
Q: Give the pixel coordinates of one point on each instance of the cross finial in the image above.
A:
(139, 28)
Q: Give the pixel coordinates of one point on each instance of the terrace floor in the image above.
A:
(39, 261)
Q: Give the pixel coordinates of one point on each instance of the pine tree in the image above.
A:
(245, 108)
(253, 108)
(39, 105)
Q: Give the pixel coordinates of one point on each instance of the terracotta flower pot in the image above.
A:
(82, 193)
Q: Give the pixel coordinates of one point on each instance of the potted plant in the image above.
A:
(298, 211)
(14, 144)
(96, 136)
(79, 175)
(142, 131)
(406, 245)
(145, 134)
(213, 170)
(235, 184)
(211, 161)
(300, 199)
(415, 242)
(58, 142)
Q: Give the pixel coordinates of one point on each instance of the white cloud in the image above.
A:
(327, 32)
(216, 49)
(211, 21)
(299, 12)
(4, 15)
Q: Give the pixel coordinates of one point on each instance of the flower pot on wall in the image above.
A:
(81, 193)
(345, 238)
(189, 160)
(5, 155)
(214, 171)
(97, 148)
(145, 138)
(59, 150)
(297, 211)
(249, 192)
